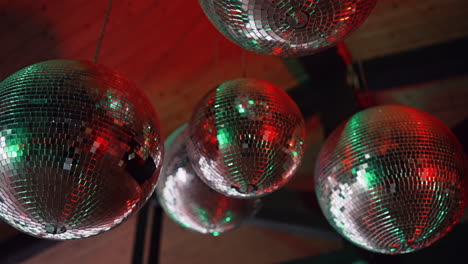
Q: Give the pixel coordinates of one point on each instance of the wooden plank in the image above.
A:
(400, 25)
(168, 48)
(151, 42)
(245, 245)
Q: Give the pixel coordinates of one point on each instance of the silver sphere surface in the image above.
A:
(287, 28)
(246, 138)
(189, 201)
(391, 179)
(80, 149)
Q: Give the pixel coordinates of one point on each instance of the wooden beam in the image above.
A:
(400, 25)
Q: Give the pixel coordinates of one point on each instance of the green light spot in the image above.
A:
(12, 148)
(38, 101)
(228, 219)
(251, 102)
(368, 178)
(240, 108)
(359, 262)
(115, 105)
(215, 234)
(221, 139)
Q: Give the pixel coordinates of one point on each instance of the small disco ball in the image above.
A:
(246, 138)
(287, 28)
(80, 149)
(390, 179)
(189, 201)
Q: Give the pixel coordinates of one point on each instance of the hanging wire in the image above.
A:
(103, 29)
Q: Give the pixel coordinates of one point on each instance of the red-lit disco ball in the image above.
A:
(287, 27)
(80, 149)
(246, 138)
(390, 179)
(189, 201)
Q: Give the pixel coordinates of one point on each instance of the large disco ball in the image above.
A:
(246, 138)
(189, 201)
(287, 27)
(390, 179)
(80, 149)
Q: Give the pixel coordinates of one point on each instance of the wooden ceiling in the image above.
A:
(168, 47)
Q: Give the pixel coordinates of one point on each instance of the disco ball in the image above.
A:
(390, 179)
(80, 149)
(246, 138)
(287, 28)
(189, 201)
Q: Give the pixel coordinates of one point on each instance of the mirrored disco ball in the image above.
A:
(287, 27)
(390, 179)
(80, 149)
(189, 201)
(246, 138)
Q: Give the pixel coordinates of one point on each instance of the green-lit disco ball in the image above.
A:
(246, 138)
(391, 179)
(80, 149)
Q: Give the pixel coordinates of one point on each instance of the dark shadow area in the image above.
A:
(22, 247)
(461, 131)
(436, 62)
(325, 92)
(24, 40)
